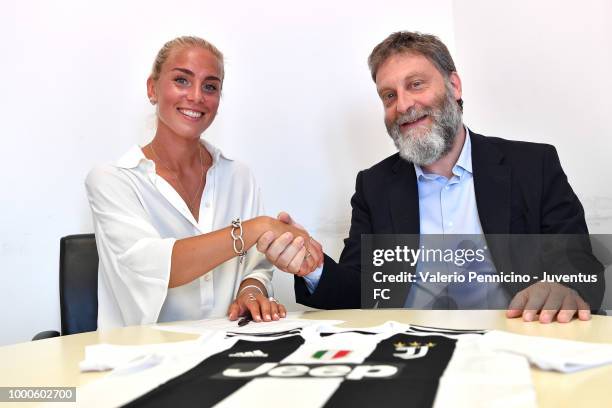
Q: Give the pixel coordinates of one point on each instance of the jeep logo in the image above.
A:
(277, 370)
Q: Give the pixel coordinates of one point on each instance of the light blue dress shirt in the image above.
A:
(448, 206)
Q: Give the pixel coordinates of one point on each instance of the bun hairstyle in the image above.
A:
(184, 41)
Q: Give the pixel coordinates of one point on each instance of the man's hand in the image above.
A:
(550, 300)
(296, 256)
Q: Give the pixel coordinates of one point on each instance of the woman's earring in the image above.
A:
(153, 101)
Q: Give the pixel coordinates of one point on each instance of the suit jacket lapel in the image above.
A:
(492, 184)
(404, 211)
(404, 199)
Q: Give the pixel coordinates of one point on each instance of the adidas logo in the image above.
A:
(254, 353)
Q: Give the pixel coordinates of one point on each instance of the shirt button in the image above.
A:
(207, 204)
(446, 187)
(207, 277)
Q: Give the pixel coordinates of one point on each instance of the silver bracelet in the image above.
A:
(238, 241)
(250, 286)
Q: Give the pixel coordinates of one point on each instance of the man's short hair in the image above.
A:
(426, 45)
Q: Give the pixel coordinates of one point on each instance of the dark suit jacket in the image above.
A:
(520, 188)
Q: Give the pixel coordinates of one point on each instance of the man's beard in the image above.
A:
(423, 146)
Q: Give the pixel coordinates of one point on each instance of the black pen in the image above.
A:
(244, 320)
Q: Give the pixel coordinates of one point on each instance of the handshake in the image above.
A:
(289, 247)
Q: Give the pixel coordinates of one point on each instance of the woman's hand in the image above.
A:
(261, 308)
(284, 224)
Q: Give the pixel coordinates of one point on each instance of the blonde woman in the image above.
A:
(174, 220)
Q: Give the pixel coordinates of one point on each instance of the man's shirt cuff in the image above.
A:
(312, 279)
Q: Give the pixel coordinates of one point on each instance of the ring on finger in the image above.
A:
(271, 299)
(251, 297)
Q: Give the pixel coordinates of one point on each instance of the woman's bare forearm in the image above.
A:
(253, 282)
(195, 256)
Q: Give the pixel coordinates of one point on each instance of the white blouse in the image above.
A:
(137, 217)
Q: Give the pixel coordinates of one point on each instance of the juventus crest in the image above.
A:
(412, 350)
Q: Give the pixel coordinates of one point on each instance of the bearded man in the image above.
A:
(445, 179)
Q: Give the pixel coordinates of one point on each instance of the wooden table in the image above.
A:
(54, 362)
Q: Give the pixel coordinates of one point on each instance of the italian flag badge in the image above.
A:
(327, 355)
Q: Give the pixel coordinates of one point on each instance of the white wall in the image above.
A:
(298, 106)
(541, 71)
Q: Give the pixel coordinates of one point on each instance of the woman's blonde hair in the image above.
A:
(184, 41)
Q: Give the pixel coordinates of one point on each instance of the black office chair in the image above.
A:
(78, 284)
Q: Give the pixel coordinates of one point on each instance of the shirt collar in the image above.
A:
(464, 162)
(135, 157)
(465, 158)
